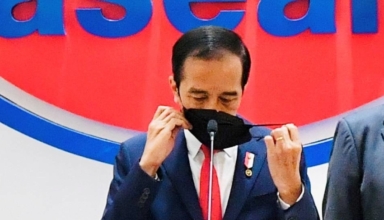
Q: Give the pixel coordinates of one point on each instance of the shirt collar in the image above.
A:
(193, 145)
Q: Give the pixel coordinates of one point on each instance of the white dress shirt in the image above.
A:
(224, 162)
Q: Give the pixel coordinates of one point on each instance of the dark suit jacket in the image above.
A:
(355, 186)
(135, 195)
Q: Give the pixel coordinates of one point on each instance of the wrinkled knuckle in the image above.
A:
(166, 111)
(152, 125)
(161, 108)
(280, 129)
(268, 138)
(284, 128)
(292, 149)
(173, 114)
(298, 149)
(156, 125)
(275, 132)
(286, 149)
(166, 108)
(173, 121)
(291, 125)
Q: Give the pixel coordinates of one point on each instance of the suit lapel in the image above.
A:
(242, 185)
(178, 170)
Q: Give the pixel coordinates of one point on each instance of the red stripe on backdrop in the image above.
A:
(121, 81)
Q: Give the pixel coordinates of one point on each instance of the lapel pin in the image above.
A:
(248, 162)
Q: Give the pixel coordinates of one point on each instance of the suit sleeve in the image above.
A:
(342, 197)
(131, 192)
(305, 208)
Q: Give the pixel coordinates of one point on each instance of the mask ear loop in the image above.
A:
(260, 137)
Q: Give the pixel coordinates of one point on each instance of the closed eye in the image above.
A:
(200, 99)
(226, 100)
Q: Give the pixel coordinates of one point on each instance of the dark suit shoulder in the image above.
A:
(361, 115)
(134, 145)
(136, 140)
(260, 131)
(361, 119)
(257, 131)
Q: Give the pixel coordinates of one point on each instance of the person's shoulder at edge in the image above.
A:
(363, 117)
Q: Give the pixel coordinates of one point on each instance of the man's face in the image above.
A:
(210, 84)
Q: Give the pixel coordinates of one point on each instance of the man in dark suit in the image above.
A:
(355, 185)
(160, 175)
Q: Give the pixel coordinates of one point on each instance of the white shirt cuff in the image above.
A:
(156, 177)
(286, 206)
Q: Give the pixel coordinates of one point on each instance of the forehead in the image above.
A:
(222, 71)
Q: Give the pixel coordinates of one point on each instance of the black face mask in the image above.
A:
(231, 129)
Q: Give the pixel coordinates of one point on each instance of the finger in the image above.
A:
(278, 135)
(269, 142)
(160, 123)
(183, 117)
(155, 127)
(173, 127)
(281, 137)
(166, 113)
(175, 122)
(175, 132)
(160, 110)
(166, 117)
(272, 149)
(285, 133)
(293, 132)
(179, 116)
(189, 125)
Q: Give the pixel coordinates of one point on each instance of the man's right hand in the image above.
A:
(161, 136)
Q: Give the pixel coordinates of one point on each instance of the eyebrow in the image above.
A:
(232, 93)
(199, 91)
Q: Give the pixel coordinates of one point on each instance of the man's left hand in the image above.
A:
(283, 154)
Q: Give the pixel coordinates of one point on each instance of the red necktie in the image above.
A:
(204, 188)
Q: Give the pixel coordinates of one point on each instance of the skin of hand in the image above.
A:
(161, 135)
(283, 154)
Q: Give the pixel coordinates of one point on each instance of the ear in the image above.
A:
(175, 90)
